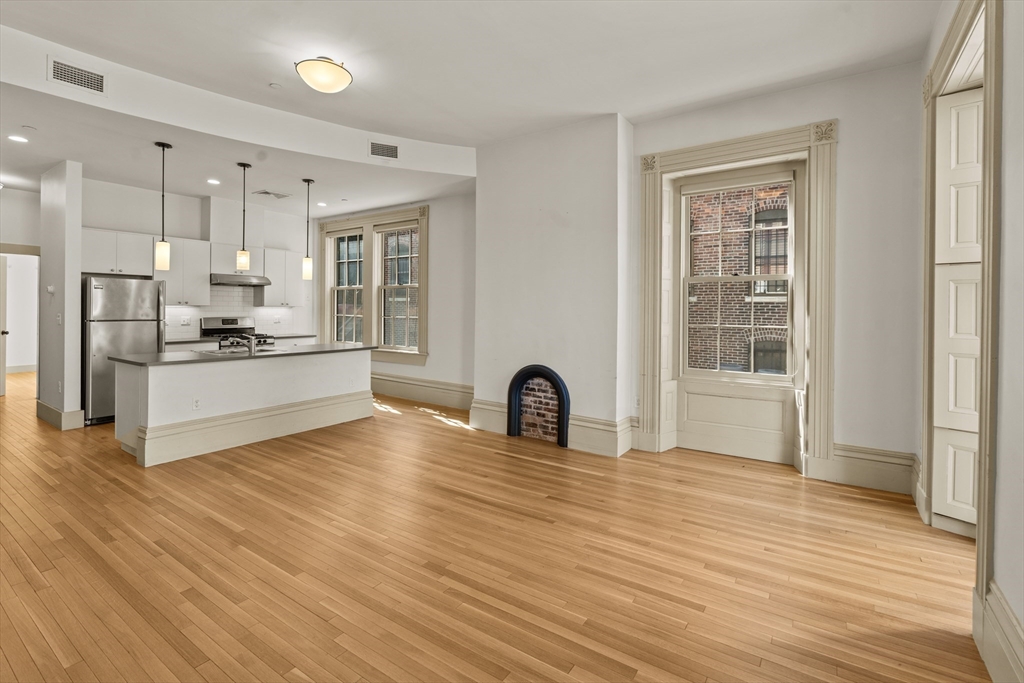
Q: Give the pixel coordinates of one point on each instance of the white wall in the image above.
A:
(947, 8)
(452, 235)
(134, 209)
(60, 348)
(1008, 562)
(628, 274)
(548, 262)
(22, 311)
(19, 217)
(878, 235)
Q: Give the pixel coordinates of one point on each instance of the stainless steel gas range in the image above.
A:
(234, 332)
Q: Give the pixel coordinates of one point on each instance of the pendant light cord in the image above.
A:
(163, 175)
(308, 183)
(243, 206)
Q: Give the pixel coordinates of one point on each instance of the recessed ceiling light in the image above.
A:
(344, 200)
(17, 138)
(213, 181)
(275, 86)
(29, 127)
(321, 204)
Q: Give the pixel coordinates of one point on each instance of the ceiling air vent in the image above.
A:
(275, 195)
(380, 149)
(77, 76)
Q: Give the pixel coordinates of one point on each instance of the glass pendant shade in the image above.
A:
(307, 268)
(242, 260)
(162, 256)
(323, 74)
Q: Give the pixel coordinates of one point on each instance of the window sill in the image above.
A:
(402, 357)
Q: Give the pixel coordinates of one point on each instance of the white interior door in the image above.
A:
(3, 325)
(958, 177)
(957, 346)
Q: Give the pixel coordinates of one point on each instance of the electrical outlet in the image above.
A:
(636, 402)
(60, 387)
(186, 320)
(195, 404)
(58, 319)
(277, 320)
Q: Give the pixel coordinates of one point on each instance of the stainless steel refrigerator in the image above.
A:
(122, 316)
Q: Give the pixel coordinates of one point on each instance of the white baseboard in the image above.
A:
(72, 419)
(871, 468)
(1000, 637)
(14, 369)
(425, 390)
(591, 435)
(156, 445)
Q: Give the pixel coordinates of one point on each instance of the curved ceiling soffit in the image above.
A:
(24, 59)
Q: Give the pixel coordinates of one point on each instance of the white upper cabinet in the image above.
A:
(195, 276)
(188, 280)
(284, 269)
(99, 251)
(223, 259)
(120, 253)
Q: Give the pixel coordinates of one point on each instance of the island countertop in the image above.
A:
(188, 357)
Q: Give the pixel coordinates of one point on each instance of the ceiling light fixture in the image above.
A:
(162, 253)
(323, 74)
(321, 203)
(307, 262)
(242, 256)
(275, 86)
(17, 138)
(213, 181)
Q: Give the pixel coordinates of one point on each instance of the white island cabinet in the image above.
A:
(170, 406)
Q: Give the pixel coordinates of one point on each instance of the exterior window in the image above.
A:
(399, 289)
(739, 280)
(348, 288)
(375, 282)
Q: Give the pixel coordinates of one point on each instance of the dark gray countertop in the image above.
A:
(185, 357)
(211, 340)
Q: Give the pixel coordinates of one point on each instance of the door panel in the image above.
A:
(196, 273)
(99, 251)
(958, 177)
(957, 346)
(956, 474)
(134, 254)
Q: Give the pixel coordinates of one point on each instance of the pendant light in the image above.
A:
(162, 252)
(307, 262)
(242, 257)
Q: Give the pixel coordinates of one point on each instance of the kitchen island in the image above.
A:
(175, 405)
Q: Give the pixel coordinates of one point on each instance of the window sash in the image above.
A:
(397, 321)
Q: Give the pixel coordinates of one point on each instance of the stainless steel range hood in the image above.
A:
(236, 280)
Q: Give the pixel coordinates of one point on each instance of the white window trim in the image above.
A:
(658, 387)
(371, 226)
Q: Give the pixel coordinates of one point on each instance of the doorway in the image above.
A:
(19, 314)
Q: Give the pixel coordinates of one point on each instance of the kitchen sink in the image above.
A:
(227, 352)
(271, 350)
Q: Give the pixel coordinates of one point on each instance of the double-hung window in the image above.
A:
(375, 291)
(738, 278)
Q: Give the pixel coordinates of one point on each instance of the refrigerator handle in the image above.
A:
(161, 331)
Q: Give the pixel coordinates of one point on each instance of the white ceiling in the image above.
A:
(118, 148)
(470, 73)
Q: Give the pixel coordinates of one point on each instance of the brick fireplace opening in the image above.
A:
(538, 405)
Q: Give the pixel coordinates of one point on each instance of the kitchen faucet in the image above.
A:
(247, 340)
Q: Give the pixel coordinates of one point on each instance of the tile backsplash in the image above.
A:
(237, 301)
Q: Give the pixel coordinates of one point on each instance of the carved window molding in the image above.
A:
(815, 142)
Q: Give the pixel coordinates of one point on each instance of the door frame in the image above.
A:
(658, 389)
(967, 14)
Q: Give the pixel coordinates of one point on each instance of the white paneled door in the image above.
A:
(958, 177)
(3, 325)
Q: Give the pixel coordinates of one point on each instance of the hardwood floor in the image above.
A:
(407, 547)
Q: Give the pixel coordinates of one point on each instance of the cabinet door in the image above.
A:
(222, 258)
(256, 257)
(174, 295)
(99, 251)
(196, 274)
(275, 268)
(955, 478)
(958, 145)
(134, 254)
(294, 287)
(957, 346)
